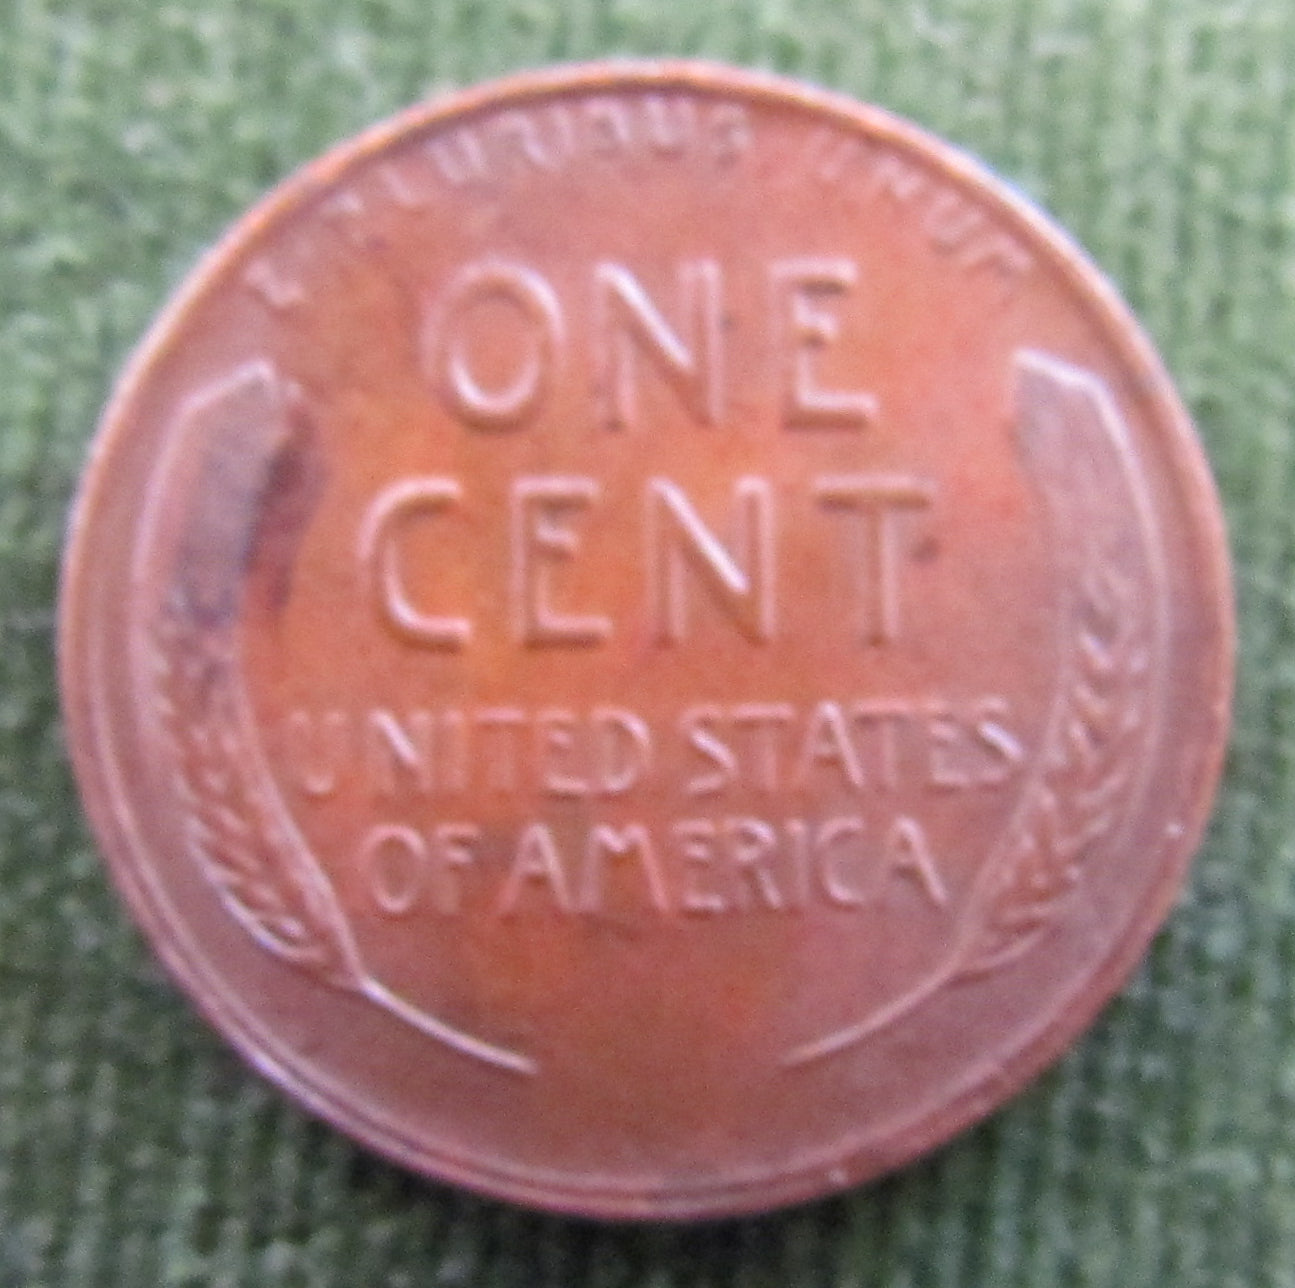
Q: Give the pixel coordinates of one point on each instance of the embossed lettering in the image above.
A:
(627, 322)
(536, 861)
(395, 183)
(951, 219)
(765, 724)
(698, 726)
(454, 749)
(346, 210)
(944, 736)
(1000, 252)
(806, 327)
(519, 134)
(622, 745)
(316, 750)
(730, 131)
(497, 333)
(875, 501)
(541, 540)
(500, 730)
(454, 847)
(459, 157)
(514, 309)
(1005, 751)
(670, 123)
(833, 155)
(678, 541)
(396, 508)
(888, 718)
(607, 123)
(908, 854)
(400, 864)
(275, 287)
(618, 843)
(970, 748)
(731, 864)
(797, 830)
(827, 742)
(751, 843)
(898, 178)
(865, 747)
(555, 749)
(394, 858)
(397, 749)
(518, 143)
(696, 838)
(829, 841)
(948, 217)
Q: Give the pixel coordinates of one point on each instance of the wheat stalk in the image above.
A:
(262, 877)
(1084, 789)
(1076, 448)
(240, 835)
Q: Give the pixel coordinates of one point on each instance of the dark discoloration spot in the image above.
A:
(293, 484)
(257, 483)
(217, 541)
(926, 550)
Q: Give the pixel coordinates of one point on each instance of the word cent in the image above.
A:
(647, 640)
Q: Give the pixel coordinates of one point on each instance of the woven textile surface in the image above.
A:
(136, 1150)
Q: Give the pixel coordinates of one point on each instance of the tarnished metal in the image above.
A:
(648, 640)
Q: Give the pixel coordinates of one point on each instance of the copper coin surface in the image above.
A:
(648, 640)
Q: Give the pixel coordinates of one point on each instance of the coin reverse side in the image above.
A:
(647, 640)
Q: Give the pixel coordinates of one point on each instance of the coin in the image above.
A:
(647, 640)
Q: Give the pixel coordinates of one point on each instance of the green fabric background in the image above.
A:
(136, 1150)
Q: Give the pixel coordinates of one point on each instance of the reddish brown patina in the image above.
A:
(647, 640)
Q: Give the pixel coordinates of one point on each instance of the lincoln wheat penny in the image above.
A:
(647, 640)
